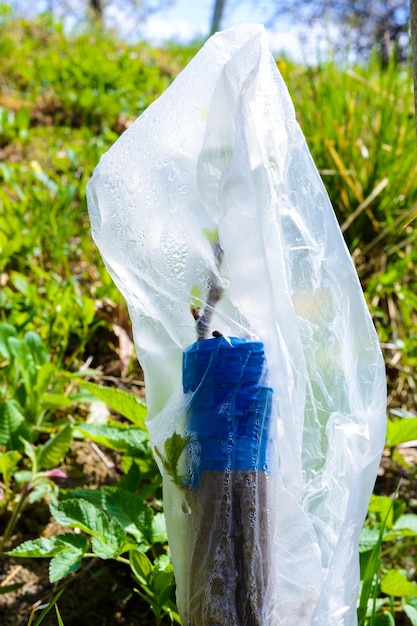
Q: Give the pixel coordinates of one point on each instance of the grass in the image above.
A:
(59, 111)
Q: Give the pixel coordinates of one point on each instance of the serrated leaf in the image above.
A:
(51, 453)
(79, 514)
(120, 439)
(133, 515)
(127, 404)
(395, 584)
(174, 447)
(111, 542)
(67, 561)
(91, 495)
(12, 424)
(140, 565)
(37, 548)
(159, 529)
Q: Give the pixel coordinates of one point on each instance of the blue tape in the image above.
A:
(229, 407)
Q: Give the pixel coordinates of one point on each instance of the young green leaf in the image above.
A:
(174, 447)
(58, 616)
(401, 430)
(6, 331)
(127, 404)
(51, 453)
(36, 346)
(115, 437)
(140, 565)
(8, 461)
(395, 584)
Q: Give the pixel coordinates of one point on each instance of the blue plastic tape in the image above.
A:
(229, 407)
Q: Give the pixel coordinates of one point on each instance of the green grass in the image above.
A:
(60, 110)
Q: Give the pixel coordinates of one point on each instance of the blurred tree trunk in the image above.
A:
(97, 8)
(413, 16)
(217, 16)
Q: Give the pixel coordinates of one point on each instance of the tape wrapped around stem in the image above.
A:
(228, 419)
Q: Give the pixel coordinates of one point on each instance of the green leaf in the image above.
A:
(54, 400)
(368, 538)
(6, 331)
(49, 607)
(395, 584)
(21, 353)
(401, 430)
(212, 235)
(58, 616)
(140, 565)
(159, 529)
(384, 619)
(79, 514)
(372, 567)
(111, 542)
(117, 438)
(44, 377)
(10, 588)
(91, 495)
(174, 447)
(133, 515)
(65, 562)
(51, 453)
(127, 404)
(8, 461)
(12, 424)
(408, 523)
(68, 559)
(411, 612)
(196, 297)
(37, 548)
(383, 507)
(35, 344)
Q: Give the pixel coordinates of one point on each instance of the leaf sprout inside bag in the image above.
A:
(264, 379)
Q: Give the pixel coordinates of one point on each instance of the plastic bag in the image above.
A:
(212, 218)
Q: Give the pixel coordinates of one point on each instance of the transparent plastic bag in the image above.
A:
(212, 218)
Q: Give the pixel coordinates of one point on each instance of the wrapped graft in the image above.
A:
(264, 378)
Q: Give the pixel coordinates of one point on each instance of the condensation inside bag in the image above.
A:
(220, 157)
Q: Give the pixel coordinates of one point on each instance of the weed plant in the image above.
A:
(65, 340)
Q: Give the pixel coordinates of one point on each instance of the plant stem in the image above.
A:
(215, 292)
(14, 517)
